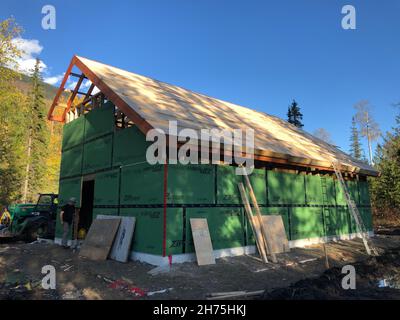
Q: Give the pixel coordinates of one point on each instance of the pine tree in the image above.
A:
(37, 141)
(355, 145)
(294, 115)
(385, 190)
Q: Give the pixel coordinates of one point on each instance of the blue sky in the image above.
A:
(259, 54)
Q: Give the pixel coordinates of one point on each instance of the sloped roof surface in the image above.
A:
(157, 103)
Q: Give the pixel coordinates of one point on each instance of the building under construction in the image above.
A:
(104, 166)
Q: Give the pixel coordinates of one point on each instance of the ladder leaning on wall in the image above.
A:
(354, 211)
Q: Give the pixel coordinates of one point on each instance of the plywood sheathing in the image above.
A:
(156, 103)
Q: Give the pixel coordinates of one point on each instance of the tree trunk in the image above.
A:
(28, 167)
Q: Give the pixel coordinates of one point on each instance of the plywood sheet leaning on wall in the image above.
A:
(202, 242)
(275, 232)
(99, 239)
(123, 239)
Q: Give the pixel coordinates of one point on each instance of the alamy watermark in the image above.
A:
(49, 18)
(349, 280)
(49, 280)
(188, 147)
(349, 20)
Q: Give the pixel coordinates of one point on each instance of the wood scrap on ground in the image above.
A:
(234, 294)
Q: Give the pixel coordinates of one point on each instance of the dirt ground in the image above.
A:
(299, 274)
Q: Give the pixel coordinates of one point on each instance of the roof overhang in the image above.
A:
(144, 126)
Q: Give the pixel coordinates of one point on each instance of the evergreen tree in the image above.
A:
(385, 190)
(37, 140)
(355, 145)
(294, 115)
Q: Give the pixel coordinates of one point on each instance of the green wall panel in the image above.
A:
(225, 225)
(364, 193)
(106, 188)
(105, 211)
(353, 190)
(71, 162)
(285, 188)
(68, 188)
(259, 185)
(227, 185)
(340, 197)
(99, 121)
(97, 155)
(283, 211)
(337, 221)
(366, 216)
(314, 189)
(73, 133)
(142, 184)
(330, 191)
(352, 187)
(306, 222)
(130, 146)
(149, 230)
(191, 183)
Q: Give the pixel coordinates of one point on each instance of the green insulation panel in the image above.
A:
(97, 155)
(352, 187)
(105, 211)
(364, 193)
(337, 221)
(71, 162)
(130, 146)
(226, 226)
(191, 184)
(259, 185)
(366, 216)
(282, 211)
(353, 190)
(142, 184)
(68, 188)
(306, 222)
(106, 188)
(285, 188)
(227, 185)
(340, 197)
(330, 191)
(73, 133)
(314, 189)
(99, 121)
(149, 230)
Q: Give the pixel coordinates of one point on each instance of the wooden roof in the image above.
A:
(151, 104)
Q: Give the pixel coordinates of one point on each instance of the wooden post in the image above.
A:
(253, 224)
(259, 217)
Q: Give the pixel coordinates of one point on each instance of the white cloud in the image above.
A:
(53, 80)
(30, 49)
(71, 84)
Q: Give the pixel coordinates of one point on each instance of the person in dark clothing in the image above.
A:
(67, 216)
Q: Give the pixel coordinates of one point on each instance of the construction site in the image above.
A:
(184, 231)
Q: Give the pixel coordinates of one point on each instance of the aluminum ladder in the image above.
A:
(371, 250)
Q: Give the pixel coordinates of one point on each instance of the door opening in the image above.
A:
(86, 212)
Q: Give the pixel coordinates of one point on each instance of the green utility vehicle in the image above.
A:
(30, 221)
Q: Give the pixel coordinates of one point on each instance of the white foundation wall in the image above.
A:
(229, 252)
